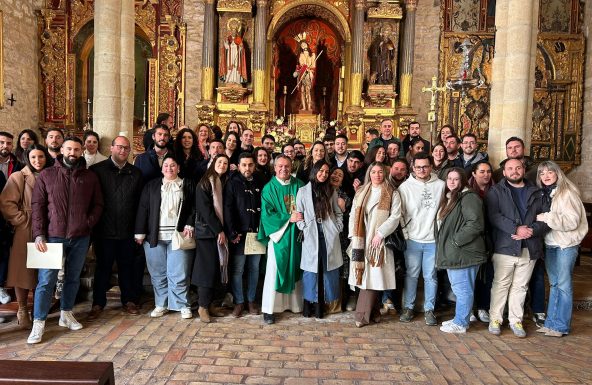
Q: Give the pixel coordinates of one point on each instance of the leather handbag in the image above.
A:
(179, 241)
(396, 241)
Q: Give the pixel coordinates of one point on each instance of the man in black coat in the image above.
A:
(150, 162)
(242, 211)
(121, 184)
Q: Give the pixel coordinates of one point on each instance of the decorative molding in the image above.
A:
(82, 11)
(242, 6)
(145, 16)
(232, 94)
(386, 11)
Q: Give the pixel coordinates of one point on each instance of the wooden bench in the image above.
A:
(56, 372)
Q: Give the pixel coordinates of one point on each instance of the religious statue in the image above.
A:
(305, 72)
(382, 53)
(233, 64)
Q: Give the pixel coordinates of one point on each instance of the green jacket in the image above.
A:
(459, 237)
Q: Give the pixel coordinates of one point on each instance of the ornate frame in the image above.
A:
(1, 60)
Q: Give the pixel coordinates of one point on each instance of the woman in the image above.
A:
(262, 164)
(166, 205)
(441, 164)
(15, 205)
(415, 147)
(187, 153)
(375, 215)
(211, 254)
(567, 220)
(321, 250)
(232, 145)
(481, 181)
(91, 148)
(233, 126)
(445, 132)
(204, 135)
(460, 246)
(392, 152)
(25, 138)
(317, 152)
(375, 154)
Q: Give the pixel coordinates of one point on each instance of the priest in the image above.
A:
(282, 288)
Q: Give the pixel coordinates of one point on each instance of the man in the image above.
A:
(216, 148)
(340, 151)
(399, 172)
(452, 144)
(370, 135)
(53, 141)
(268, 143)
(150, 162)
(386, 133)
(329, 143)
(242, 212)
(515, 150)
(300, 150)
(66, 204)
(415, 132)
(289, 151)
(163, 118)
(420, 198)
(121, 186)
(247, 138)
(282, 288)
(354, 173)
(470, 155)
(512, 206)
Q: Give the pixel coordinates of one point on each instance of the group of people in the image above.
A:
(337, 228)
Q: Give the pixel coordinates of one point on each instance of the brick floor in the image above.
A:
(303, 351)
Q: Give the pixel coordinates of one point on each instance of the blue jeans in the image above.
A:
(560, 264)
(169, 273)
(75, 250)
(420, 257)
(236, 280)
(462, 282)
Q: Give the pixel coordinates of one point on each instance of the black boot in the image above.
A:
(269, 319)
(319, 310)
(306, 309)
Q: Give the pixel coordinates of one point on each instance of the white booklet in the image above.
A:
(51, 259)
(253, 246)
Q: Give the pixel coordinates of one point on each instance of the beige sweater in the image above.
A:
(567, 220)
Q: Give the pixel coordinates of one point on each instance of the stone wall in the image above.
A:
(21, 65)
(427, 42)
(193, 14)
(582, 176)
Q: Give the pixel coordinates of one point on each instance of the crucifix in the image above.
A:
(434, 89)
(11, 100)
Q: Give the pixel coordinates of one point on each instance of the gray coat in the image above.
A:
(332, 226)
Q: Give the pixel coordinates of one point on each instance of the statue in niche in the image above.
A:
(233, 63)
(382, 53)
(305, 72)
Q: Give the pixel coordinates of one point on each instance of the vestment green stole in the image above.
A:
(277, 203)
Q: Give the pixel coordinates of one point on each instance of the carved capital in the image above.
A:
(360, 4)
(411, 5)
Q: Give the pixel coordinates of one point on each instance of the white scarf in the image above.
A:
(171, 194)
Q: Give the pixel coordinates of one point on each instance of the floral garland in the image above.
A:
(281, 132)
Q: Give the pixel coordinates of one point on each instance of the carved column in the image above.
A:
(357, 76)
(512, 74)
(107, 76)
(127, 70)
(259, 53)
(208, 54)
(407, 52)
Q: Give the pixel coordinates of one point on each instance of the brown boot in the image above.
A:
(215, 311)
(238, 310)
(22, 316)
(94, 313)
(204, 315)
(253, 308)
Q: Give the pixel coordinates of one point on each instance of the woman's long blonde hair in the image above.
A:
(564, 185)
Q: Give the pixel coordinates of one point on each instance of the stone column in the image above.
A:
(107, 77)
(259, 53)
(208, 54)
(357, 76)
(512, 74)
(407, 52)
(127, 67)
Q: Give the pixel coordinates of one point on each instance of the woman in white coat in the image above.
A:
(321, 249)
(375, 215)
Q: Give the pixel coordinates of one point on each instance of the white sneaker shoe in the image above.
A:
(37, 332)
(448, 322)
(186, 313)
(473, 318)
(4, 297)
(453, 328)
(159, 312)
(67, 320)
(483, 315)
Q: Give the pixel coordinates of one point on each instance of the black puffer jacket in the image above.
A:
(121, 194)
(504, 218)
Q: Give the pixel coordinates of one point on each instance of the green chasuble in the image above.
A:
(277, 203)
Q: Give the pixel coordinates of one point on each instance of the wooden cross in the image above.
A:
(434, 89)
(11, 100)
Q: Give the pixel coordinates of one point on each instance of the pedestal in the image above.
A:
(306, 126)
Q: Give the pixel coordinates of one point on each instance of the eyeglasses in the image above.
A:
(422, 167)
(119, 147)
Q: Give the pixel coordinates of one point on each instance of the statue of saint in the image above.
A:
(382, 53)
(305, 72)
(233, 65)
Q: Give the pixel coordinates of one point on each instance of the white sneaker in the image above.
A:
(37, 332)
(453, 328)
(186, 313)
(473, 318)
(67, 320)
(4, 297)
(448, 322)
(483, 315)
(159, 312)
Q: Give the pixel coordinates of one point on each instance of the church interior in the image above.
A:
(494, 68)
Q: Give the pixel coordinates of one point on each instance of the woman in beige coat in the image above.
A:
(15, 205)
